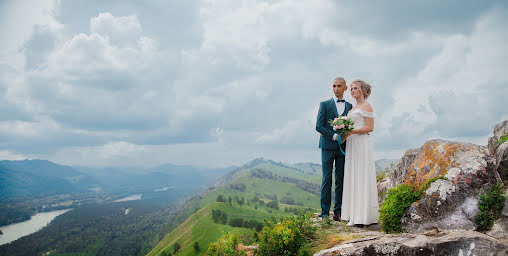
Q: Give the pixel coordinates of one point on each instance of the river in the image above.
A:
(34, 224)
(130, 198)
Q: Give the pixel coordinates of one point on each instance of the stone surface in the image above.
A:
(498, 130)
(502, 161)
(449, 203)
(382, 189)
(397, 177)
(430, 243)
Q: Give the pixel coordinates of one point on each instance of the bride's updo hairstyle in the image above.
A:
(366, 88)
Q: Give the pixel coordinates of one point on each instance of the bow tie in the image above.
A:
(339, 100)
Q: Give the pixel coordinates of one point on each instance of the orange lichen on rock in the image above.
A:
(434, 160)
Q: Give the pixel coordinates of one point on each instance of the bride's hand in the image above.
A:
(344, 138)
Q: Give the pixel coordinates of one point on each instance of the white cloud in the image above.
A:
(7, 155)
(118, 30)
(15, 28)
(458, 93)
(233, 80)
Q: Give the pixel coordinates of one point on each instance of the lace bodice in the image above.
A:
(357, 115)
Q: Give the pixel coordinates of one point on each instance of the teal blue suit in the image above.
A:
(330, 153)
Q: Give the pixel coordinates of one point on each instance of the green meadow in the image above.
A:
(256, 184)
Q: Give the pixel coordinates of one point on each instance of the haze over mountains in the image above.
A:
(44, 178)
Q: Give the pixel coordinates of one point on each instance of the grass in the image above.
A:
(199, 227)
(328, 236)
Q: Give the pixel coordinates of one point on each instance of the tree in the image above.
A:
(236, 222)
(220, 198)
(176, 247)
(273, 204)
(196, 247)
(223, 218)
(230, 200)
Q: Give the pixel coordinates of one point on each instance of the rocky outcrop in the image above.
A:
(446, 243)
(449, 203)
(499, 130)
(398, 176)
(502, 161)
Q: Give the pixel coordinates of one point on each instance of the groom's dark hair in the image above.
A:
(340, 78)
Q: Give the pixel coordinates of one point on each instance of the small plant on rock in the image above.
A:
(397, 200)
(392, 210)
(491, 204)
(503, 138)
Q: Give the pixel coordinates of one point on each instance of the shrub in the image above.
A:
(236, 222)
(226, 245)
(220, 198)
(491, 204)
(273, 204)
(503, 138)
(176, 247)
(196, 247)
(397, 200)
(392, 210)
(290, 236)
(287, 200)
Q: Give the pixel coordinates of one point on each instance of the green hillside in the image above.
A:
(251, 188)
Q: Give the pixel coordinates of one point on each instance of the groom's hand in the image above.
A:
(335, 137)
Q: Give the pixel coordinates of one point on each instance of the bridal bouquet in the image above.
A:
(342, 125)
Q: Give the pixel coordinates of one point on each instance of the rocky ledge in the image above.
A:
(429, 243)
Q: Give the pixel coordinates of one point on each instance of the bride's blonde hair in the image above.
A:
(366, 88)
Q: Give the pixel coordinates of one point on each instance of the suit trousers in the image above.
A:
(328, 158)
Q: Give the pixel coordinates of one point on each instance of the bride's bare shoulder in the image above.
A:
(367, 107)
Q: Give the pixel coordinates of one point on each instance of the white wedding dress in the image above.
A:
(359, 199)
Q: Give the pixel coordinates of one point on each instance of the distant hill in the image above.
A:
(40, 178)
(253, 188)
(167, 176)
(382, 164)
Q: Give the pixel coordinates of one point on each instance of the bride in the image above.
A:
(359, 201)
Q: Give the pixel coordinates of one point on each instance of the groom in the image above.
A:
(330, 152)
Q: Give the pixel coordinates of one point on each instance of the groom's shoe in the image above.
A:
(336, 217)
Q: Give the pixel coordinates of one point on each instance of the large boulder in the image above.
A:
(449, 203)
(446, 243)
(499, 130)
(502, 161)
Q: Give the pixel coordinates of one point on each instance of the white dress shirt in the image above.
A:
(340, 105)
(340, 109)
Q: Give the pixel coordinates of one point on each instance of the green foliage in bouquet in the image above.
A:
(491, 204)
(503, 138)
(226, 245)
(291, 236)
(346, 125)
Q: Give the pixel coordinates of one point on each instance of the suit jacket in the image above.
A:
(327, 111)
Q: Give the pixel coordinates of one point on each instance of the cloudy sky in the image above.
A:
(216, 83)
